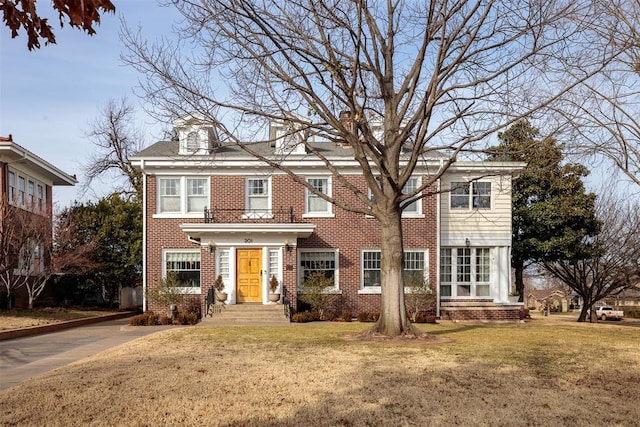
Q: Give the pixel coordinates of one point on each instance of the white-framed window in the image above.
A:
(182, 195)
(223, 264)
(41, 198)
(21, 190)
(465, 272)
(258, 197)
(476, 194)
(415, 208)
(415, 267)
(314, 204)
(274, 263)
(193, 141)
(324, 261)
(12, 187)
(31, 194)
(186, 265)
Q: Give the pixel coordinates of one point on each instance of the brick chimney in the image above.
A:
(346, 119)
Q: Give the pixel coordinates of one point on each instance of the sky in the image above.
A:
(49, 96)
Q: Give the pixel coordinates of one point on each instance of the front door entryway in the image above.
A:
(249, 263)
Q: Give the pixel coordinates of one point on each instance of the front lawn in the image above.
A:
(23, 318)
(539, 373)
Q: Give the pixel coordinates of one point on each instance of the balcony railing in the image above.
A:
(226, 216)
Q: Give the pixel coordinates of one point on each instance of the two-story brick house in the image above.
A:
(26, 183)
(212, 209)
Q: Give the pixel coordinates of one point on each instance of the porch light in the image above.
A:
(467, 242)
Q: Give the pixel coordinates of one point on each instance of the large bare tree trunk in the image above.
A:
(393, 319)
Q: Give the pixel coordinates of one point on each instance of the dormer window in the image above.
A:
(287, 137)
(192, 141)
(195, 136)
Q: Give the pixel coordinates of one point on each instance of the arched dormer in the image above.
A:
(195, 135)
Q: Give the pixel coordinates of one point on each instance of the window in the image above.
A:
(40, 198)
(274, 263)
(183, 195)
(196, 194)
(21, 190)
(459, 195)
(465, 272)
(31, 199)
(186, 265)
(12, 187)
(414, 267)
(192, 141)
(258, 196)
(480, 195)
(223, 264)
(316, 204)
(169, 195)
(324, 262)
(414, 208)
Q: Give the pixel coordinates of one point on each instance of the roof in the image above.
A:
(167, 151)
(10, 152)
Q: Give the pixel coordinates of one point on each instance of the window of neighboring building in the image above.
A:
(465, 272)
(316, 205)
(41, 199)
(21, 191)
(476, 194)
(318, 261)
(12, 187)
(258, 196)
(31, 196)
(183, 195)
(186, 265)
(414, 267)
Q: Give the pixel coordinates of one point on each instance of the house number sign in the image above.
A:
(248, 240)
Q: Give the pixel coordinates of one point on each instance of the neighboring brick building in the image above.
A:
(212, 209)
(26, 182)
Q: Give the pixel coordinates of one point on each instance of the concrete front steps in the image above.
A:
(248, 314)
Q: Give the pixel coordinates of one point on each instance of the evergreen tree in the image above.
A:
(552, 212)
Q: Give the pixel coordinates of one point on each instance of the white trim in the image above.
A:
(187, 289)
(254, 213)
(377, 289)
(328, 213)
(182, 195)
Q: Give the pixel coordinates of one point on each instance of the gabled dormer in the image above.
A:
(287, 137)
(195, 135)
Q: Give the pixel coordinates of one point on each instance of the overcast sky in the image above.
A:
(48, 96)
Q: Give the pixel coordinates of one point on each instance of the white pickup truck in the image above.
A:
(606, 312)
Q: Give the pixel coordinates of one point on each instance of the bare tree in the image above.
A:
(13, 238)
(603, 113)
(116, 138)
(436, 77)
(615, 262)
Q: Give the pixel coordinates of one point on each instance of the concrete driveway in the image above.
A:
(24, 358)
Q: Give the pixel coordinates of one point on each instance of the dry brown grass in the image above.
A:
(540, 373)
(22, 318)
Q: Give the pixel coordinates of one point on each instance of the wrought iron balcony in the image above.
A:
(226, 216)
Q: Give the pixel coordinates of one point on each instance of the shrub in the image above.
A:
(418, 295)
(168, 292)
(317, 291)
(187, 318)
(346, 316)
(145, 319)
(330, 316)
(365, 316)
(305, 316)
(164, 320)
(632, 313)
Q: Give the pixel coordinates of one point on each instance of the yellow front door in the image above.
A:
(249, 275)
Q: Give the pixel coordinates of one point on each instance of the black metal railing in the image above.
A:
(286, 303)
(225, 216)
